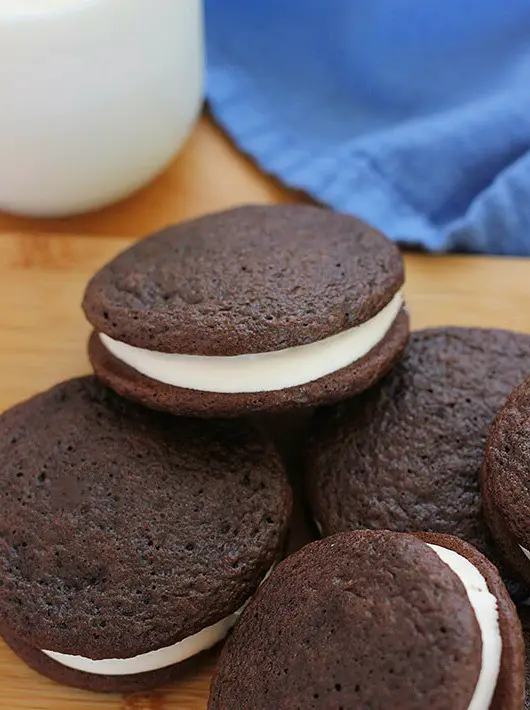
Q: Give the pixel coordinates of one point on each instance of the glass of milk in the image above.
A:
(96, 97)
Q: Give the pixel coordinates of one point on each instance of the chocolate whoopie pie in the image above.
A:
(506, 480)
(129, 539)
(261, 308)
(406, 455)
(371, 620)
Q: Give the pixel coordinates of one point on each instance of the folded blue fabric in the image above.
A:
(413, 115)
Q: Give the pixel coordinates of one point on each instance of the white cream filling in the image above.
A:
(486, 611)
(162, 657)
(261, 372)
(154, 660)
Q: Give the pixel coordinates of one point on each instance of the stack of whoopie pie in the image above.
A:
(147, 507)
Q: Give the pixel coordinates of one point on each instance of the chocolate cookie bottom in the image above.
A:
(140, 682)
(344, 383)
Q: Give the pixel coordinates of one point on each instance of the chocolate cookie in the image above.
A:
(506, 480)
(370, 620)
(406, 455)
(524, 615)
(129, 539)
(257, 309)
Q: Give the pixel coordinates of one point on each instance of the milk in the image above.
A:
(96, 97)
(28, 6)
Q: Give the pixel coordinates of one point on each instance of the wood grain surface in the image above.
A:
(44, 267)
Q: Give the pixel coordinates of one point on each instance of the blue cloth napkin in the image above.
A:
(412, 114)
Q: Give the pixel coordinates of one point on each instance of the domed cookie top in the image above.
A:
(506, 479)
(371, 620)
(257, 308)
(406, 455)
(250, 280)
(126, 531)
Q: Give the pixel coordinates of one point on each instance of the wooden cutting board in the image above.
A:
(42, 341)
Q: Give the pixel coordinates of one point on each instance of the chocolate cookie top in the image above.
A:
(253, 279)
(364, 619)
(124, 530)
(507, 463)
(406, 455)
(510, 689)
